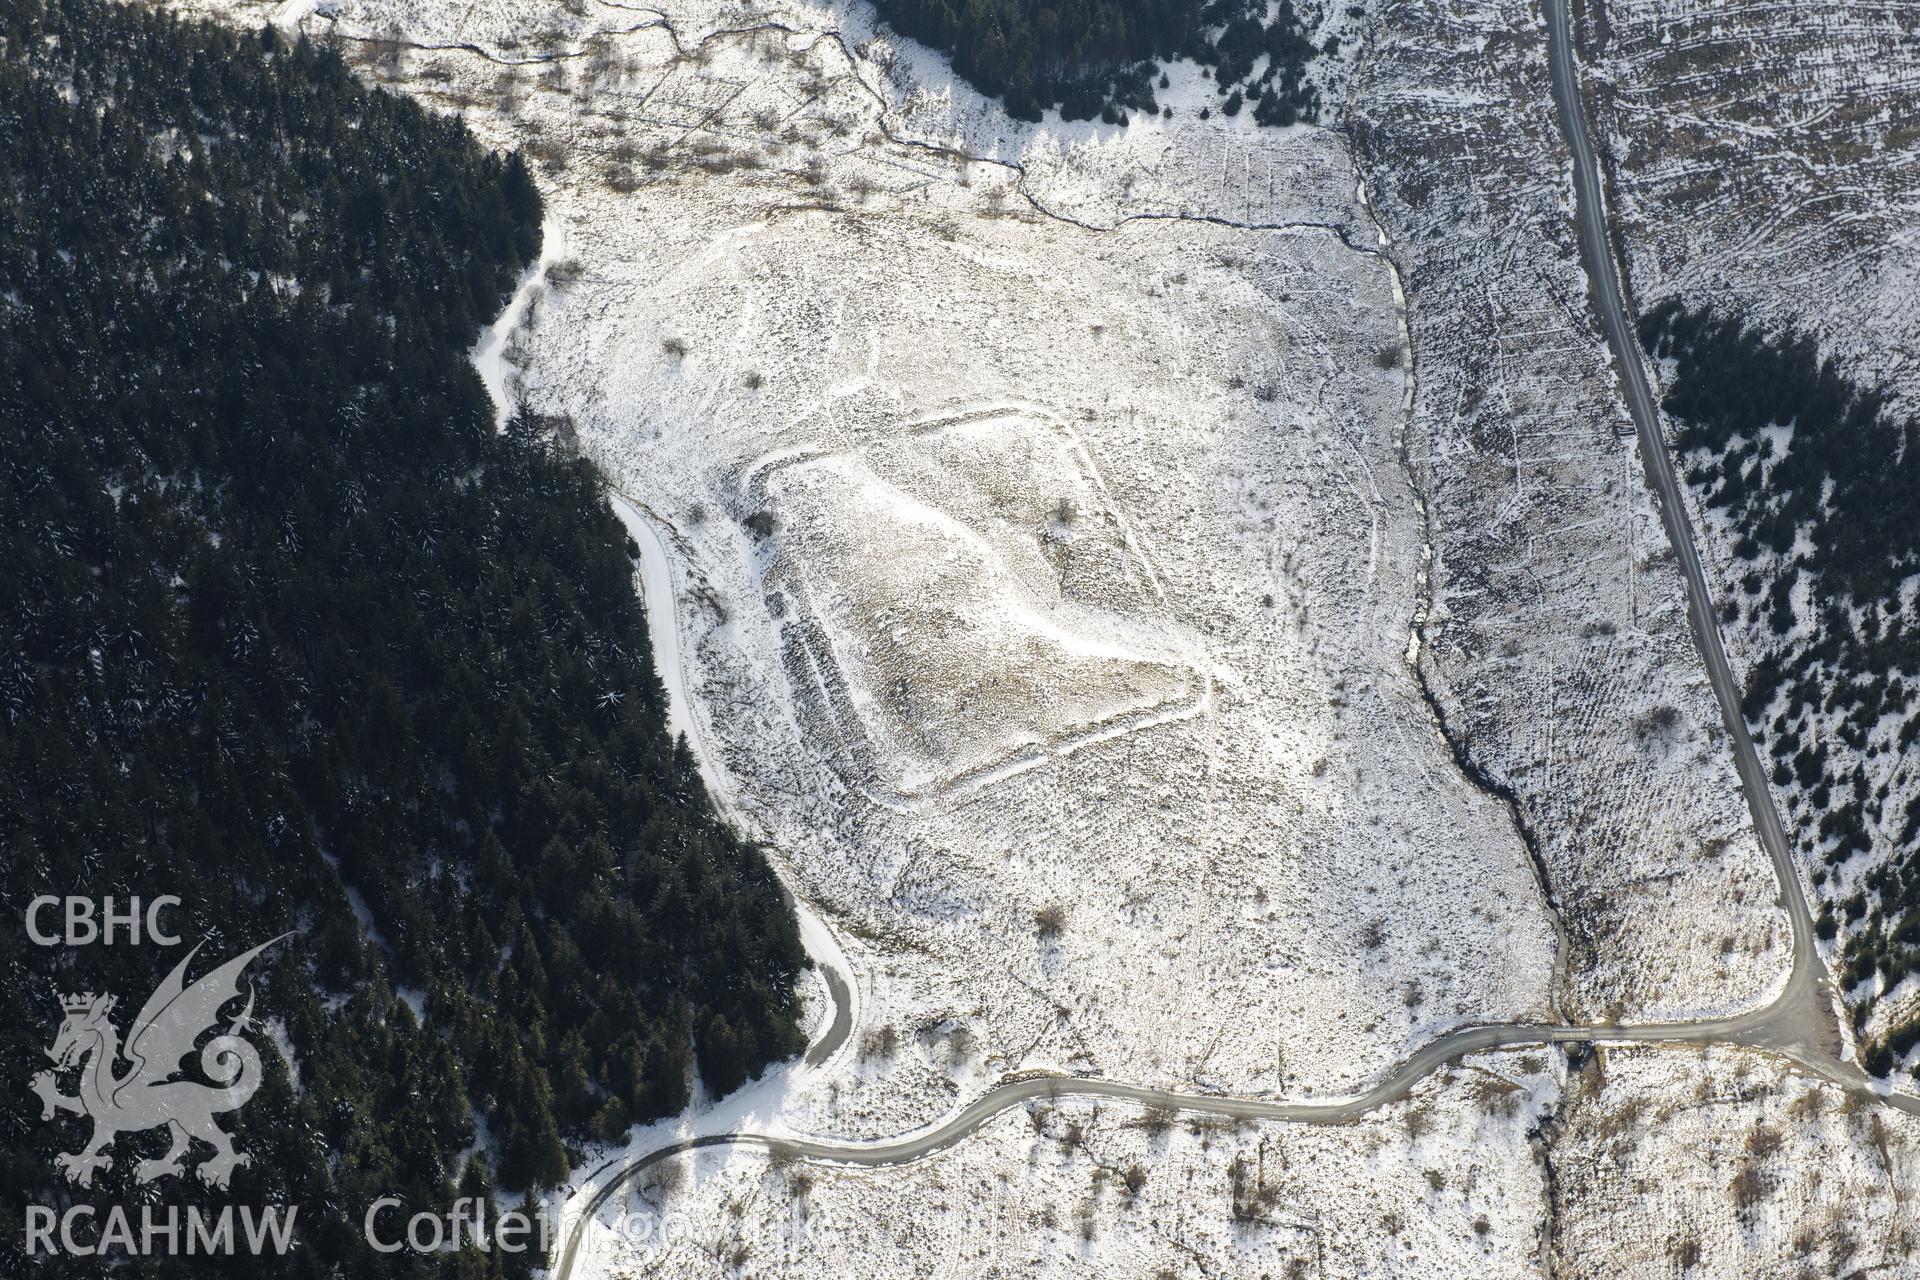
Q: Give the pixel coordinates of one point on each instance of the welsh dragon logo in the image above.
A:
(146, 1095)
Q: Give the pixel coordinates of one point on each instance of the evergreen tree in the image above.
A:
(296, 635)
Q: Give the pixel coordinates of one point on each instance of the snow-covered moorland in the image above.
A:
(1058, 579)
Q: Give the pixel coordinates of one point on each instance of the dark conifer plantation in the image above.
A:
(292, 632)
(1097, 58)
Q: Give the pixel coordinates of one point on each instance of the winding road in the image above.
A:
(1800, 1024)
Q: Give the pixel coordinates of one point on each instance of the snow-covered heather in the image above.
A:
(1167, 365)
(1731, 1161)
(1557, 641)
(1444, 1183)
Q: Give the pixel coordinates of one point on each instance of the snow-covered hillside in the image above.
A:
(1182, 606)
(1059, 578)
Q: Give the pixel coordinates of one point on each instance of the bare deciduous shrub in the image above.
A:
(1623, 1121)
(880, 1043)
(1050, 921)
(1659, 720)
(1764, 1141)
(666, 1178)
(1748, 1188)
